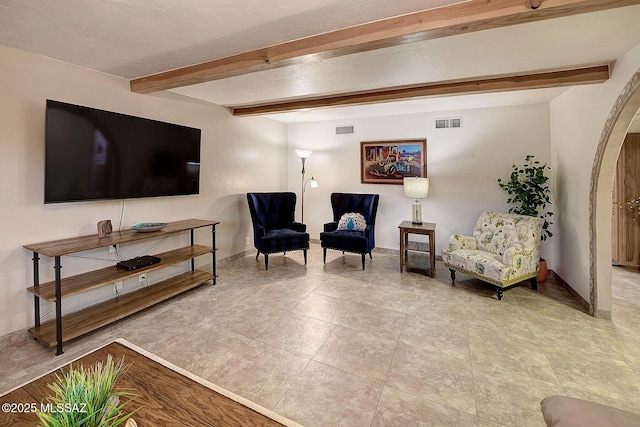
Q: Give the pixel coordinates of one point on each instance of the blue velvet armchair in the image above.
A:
(341, 234)
(274, 227)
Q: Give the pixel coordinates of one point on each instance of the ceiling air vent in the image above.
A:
(450, 122)
(341, 130)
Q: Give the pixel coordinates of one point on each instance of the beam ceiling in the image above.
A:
(469, 16)
(589, 75)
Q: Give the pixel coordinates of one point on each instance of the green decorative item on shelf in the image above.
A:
(88, 397)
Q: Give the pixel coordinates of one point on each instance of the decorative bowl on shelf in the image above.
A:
(147, 227)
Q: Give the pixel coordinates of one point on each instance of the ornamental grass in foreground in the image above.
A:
(87, 397)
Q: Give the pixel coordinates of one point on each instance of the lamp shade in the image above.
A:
(303, 154)
(416, 188)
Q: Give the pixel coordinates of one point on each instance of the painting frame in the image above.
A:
(389, 161)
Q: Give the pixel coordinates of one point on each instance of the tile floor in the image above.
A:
(332, 345)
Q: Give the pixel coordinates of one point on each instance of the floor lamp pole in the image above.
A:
(303, 154)
(302, 192)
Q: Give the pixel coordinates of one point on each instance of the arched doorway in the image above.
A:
(604, 166)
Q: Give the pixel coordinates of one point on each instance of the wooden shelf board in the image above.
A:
(418, 260)
(84, 243)
(417, 266)
(73, 285)
(84, 321)
(417, 246)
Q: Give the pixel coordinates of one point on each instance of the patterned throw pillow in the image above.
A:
(352, 221)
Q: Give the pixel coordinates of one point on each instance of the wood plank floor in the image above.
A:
(165, 396)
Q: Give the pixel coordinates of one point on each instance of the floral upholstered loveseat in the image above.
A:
(504, 250)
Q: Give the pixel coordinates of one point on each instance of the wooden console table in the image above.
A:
(64, 328)
(427, 229)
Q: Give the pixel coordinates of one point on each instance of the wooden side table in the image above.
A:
(406, 246)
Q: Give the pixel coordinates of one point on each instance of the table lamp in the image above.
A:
(416, 188)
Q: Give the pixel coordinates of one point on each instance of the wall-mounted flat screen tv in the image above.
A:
(95, 154)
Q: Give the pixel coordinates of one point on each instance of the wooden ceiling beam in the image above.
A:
(549, 79)
(460, 18)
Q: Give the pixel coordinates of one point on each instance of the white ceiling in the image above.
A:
(131, 39)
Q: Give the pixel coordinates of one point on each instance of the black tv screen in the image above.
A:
(95, 154)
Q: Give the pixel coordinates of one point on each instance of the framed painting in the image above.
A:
(388, 162)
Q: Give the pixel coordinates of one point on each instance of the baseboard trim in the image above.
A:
(584, 303)
(235, 257)
(601, 314)
(384, 251)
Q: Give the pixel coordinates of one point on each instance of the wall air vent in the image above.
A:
(449, 122)
(341, 130)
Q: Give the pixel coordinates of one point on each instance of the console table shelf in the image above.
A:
(84, 321)
(84, 243)
(64, 328)
(94, 279)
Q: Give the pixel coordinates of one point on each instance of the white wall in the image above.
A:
(577, 120)
(238, 155)
(253, 154)
(462, 164)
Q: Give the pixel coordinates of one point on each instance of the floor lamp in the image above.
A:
(304, 155)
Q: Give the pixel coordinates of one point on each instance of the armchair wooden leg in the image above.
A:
(370, 256)
(266, 261)
(305, 256)
(534, 283)
(324, 255)
(362, 256)
(453, 275)
(258, 254)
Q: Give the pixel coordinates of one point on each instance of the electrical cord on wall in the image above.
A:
(123, 257)
(88, 257)
(121, 216)
(63, 303)
(154, 245)
(120, 255)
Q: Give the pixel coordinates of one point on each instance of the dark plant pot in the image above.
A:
(542, 271)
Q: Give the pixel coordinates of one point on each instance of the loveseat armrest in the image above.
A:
(330, 226)
(519, 258)
(459, 241)
(298, 226)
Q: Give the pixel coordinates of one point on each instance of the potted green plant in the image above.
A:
(88, 398)
(529, 193)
